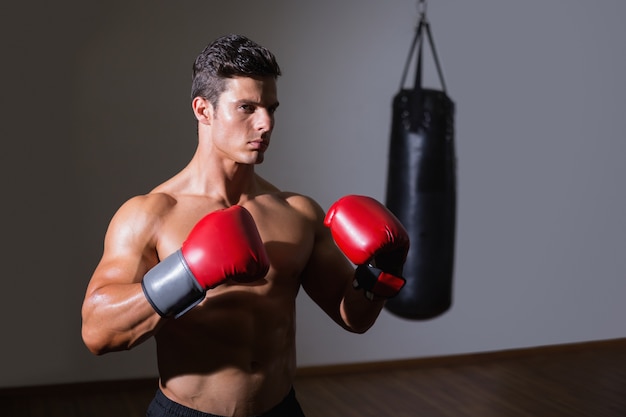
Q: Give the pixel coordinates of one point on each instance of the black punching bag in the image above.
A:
(421, 189)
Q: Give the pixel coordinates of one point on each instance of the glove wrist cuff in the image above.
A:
(376, 282)
(171, 288)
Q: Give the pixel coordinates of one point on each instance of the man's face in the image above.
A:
(244, 119)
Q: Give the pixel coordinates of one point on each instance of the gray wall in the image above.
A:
(95, 109)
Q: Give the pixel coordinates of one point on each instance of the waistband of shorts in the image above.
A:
(174, 409)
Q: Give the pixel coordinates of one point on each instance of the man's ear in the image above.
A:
(203, 110)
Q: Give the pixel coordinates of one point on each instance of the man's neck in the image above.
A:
(228, 181)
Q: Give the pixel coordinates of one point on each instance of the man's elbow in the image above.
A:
(358, 326)
(93, 342)
(361, 328)
(98, 341)
(360, 320)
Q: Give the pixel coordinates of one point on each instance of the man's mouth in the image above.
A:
(260, 144)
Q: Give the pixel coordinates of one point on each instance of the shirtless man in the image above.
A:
(209, 263)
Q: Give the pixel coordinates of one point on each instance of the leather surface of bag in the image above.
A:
(421, 191)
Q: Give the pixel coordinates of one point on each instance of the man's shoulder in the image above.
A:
(147, 206)
(300, 203)
(153, 201)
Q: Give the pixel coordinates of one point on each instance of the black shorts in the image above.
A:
(161, 406)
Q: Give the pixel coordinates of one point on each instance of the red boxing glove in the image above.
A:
(225, 244)
(372, 238)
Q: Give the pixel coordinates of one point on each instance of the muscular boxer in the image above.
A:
(209, 263)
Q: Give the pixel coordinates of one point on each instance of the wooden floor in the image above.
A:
(583, 380)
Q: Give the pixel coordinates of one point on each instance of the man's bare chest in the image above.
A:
(287, 235)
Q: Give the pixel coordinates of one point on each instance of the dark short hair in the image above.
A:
(227, 57)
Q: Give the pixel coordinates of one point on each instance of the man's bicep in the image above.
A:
(115, 313)
(129, 250)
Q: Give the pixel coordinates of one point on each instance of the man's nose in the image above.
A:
(264, 120)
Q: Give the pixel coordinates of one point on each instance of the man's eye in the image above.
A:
(247, 108)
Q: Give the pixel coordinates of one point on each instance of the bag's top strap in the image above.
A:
(422, 27)
(416, 39)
